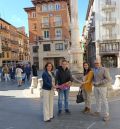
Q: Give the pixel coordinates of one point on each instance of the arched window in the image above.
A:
(57, 6)
(44, 8)
(51, 7)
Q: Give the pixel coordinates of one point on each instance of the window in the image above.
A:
(59, 46)
(45, 21)
(46, 34)
(58, 21)
(57, 6)
(46, 47)
(33, 14)
(44, 8)
(34, 26)
(35, 59)
(66, 46)
(7, 54)
(51, 7)
(35, 49)
(58, 33)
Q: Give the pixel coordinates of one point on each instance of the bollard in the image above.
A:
(117, 82)
(34, 84)
(39, 86)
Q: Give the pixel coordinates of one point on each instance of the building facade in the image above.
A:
(107, 31)
(49, 31)
(14, 44)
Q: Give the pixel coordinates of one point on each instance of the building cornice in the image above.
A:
(29, 9)
(35, 2)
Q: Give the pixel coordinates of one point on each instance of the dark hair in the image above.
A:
(47, 65)
(64, 61)
(88, 70)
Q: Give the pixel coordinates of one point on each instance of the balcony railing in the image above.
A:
(109, 37)
(109, 5)
(57, 24)
(45, 25)
(107, 22)
(5, 48)
(109, 47)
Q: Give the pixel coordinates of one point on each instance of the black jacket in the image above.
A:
(63, 76)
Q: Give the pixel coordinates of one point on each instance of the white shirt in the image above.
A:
(19, 72)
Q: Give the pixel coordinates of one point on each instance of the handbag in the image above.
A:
(79, 97)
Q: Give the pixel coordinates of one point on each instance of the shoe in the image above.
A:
(106, 118)
(67, 111)
(96, 114)
(87, 110)
(52, 117)
(59, 112)
(48, 121)
(83, 111)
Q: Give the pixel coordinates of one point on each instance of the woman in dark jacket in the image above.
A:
(48, 92)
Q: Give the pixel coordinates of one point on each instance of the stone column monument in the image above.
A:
(76, 50)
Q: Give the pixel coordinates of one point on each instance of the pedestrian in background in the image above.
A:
(12, 72)
(48, 92)
(101, 82)
(0, 73)
(63, 78)
(87, 87)
(34, 70)
(19, 75)
(6, 73)
(28, 71)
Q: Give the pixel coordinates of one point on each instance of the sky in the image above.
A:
(12, 11)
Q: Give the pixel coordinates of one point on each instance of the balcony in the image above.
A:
(109, 6)
(5, 48)
(109, 48)
(45, 26)
(57, 24)
(4, 29)
(109, 37)
(109, 22)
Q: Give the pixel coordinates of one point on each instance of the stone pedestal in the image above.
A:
(117, 82)
(34, 84)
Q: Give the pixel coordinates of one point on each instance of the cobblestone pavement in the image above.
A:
(18, 112)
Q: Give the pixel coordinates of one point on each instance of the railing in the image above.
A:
(110, 2)
(109, 47)
(110, 21)
(5, 48)
(109, 5)
(57, 24)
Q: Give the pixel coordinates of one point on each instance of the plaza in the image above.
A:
(20, 112)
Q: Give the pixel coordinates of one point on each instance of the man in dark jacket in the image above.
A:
(63, 78)
(34, 70)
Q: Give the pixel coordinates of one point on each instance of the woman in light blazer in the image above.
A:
(87, 87)
(48, 92)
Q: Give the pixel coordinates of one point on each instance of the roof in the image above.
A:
(5, 21)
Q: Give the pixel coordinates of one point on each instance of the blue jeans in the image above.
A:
(62, 93)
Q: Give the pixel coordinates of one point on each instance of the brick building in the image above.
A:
(49, 31)
(13, 43)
